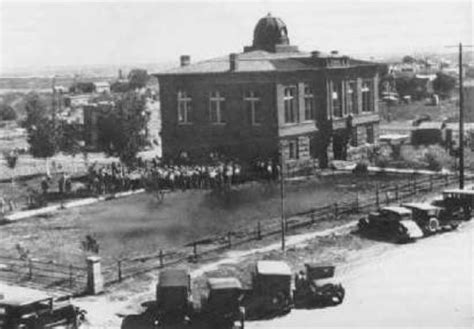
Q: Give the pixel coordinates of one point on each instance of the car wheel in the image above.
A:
(433, 225)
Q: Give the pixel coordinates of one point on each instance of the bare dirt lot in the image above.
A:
(141, 225)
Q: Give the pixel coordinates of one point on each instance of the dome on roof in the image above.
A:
(269, 32)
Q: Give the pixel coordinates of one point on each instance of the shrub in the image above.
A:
(437, 158)
(361, 167)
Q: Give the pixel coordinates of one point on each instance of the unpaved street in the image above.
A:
(425, 284)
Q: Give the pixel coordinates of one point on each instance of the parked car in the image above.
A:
(173, 296)
(30, 309)
(221, 308)
(393, 223)
(271, 293)
(316, 287)
(429, 218)
(456, 203)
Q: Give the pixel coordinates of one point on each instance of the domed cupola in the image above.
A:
(271, 34)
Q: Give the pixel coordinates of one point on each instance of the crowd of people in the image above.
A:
(154, 175)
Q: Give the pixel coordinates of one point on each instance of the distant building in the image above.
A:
(269, 98)
(102, 87)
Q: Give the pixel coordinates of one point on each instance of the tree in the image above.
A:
(444, 84)
(123, 130)
(11, 159)
(44, 134)
(138, 78)
(71, 135)
(120, 87)
(35, 110)
(7, 112)
(409, 59)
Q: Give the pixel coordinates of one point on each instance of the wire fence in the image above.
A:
(73, 279)
(37, 273)
(201, 249)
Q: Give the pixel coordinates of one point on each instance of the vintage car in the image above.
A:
(457, 204)
(271, 293)
(27, 308)
(430, 219)
(316, 287)
(393, 223)
(172, 307)
(221, 308)
(173, 296)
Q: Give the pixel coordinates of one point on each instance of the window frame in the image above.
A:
(293, 100)
(309, 98)
(252, 99)
(185, 99)
(367, 89)
(216, 98)
(334, 92)
(293, 145)
(352, 98)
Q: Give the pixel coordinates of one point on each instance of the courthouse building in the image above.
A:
(270, 98)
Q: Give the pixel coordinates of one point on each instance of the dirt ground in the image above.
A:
(426, 283)
(140, 225)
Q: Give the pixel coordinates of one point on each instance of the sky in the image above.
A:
(38, 34)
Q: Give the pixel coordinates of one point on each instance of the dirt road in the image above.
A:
(425, 284)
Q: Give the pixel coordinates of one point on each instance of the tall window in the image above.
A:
(367, 96)
(309, 110)
(291, 105)
(184, 107)
(352, 97)
(252, 108)
(337, 99)
(293, 149)
(216, 107)
(370, 134)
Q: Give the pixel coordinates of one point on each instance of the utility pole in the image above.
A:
(461, 122)
(282, 199)
(461, 116)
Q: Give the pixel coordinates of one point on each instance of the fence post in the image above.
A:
(30, 268)
(446, 180)
(431, 182)
(161, 257)
(259, 231)
(70, 276)
(377, 201)
(396, 192)
(119, 268)
(387, 198)
(229, 239)
(414, 185)
(357, 202)
(195, 255)
(95, 281)
(335, 211)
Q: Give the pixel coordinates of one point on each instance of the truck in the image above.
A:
(26, 308)
(221, 308)
(271, 294)
(316, 287)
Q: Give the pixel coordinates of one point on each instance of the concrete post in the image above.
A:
(95, 281)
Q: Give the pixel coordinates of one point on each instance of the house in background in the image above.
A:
(268, 100)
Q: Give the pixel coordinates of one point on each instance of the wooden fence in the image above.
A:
(41, 274)
(198, 250)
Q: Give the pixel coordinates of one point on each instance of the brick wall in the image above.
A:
(236, 138)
